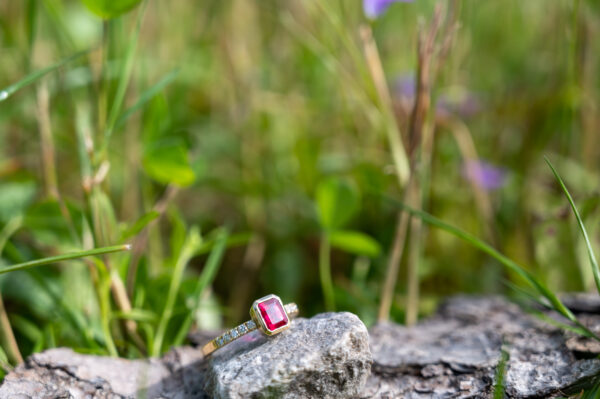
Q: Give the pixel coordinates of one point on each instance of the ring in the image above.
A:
(268, 315)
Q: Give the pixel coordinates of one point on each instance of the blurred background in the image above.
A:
(253, 147)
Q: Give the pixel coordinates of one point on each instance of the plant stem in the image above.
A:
(414, 255)
(393, 132)
(49, 155)
(141, 239)
(46, 141)
(103, 292)
(8, 338)
(206, 278)
(325, 272)
(190, 247)
(393, 266)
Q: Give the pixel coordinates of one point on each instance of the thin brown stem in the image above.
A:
(414, 256)
(9, 343)
(47, 143)
(421, 139)
(49, 155)
(425, 50)
(393, 266)
(394, 136)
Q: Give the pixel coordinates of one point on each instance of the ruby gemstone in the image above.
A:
(273, 314)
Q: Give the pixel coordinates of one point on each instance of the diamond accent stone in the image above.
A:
(273, 314)
(291, 308)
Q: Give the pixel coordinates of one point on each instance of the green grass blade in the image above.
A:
(212, 264)
(501, 374)
(146, 96)
(206, 278)
(9, 229)
(510, 264)
(593, 392)
(189, 249)
(590, 250)
(32, 77)
(66, 310)
(577, 327)
(60, 258)
(124, 76)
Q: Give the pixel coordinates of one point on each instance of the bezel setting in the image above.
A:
(256, 315)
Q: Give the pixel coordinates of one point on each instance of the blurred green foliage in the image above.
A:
(240, 146)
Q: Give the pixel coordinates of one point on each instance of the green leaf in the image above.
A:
(146, 96)
(233, 240)
(139, 225)
(337, 201)
(30, 23)
(355, 242)
(60, 258)
(206, 278)
(106, 221)
(110, 8)
(32, 77)
(590, 250)
(26, 327)
(191, 245)
(124, 76)
(46, 223)
(166, 161)
(14, 198)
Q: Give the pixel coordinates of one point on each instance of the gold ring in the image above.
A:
(268, 315)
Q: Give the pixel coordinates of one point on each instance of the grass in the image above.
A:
(292, 125)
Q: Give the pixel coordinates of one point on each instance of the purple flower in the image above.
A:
(484, 175)
(405, 87)
(458, 101)
(374, 8)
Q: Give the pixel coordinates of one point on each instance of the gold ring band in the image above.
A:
(268, 314)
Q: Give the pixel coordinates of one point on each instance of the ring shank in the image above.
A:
(291, 309)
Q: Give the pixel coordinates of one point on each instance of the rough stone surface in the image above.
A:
(453, 354)
(62, 373)
(326, 356)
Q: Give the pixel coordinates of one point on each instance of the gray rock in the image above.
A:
(327, 356)
(456, 352)
(62, 373)
(453, 354)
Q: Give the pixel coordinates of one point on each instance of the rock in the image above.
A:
(62, 373)
(326, 356)
(456, 354)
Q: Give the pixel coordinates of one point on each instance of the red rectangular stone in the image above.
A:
(273, 314)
